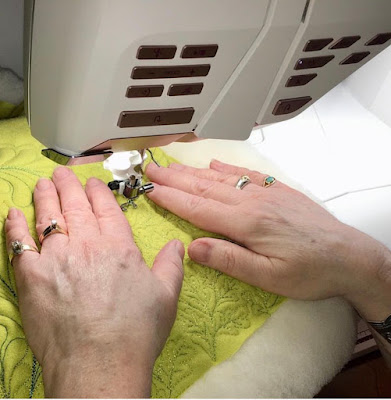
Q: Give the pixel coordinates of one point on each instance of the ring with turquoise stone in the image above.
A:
(268, 181)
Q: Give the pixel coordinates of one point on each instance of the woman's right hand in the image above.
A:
(284, 242)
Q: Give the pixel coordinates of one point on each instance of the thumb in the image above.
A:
(233, 260)
(168, 266)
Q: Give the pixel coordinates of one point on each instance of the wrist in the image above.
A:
(369, 288)
(100, 375)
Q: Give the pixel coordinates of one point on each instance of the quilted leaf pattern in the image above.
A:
(216, 313)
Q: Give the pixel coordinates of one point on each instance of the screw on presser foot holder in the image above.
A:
(131, 189)
(126, 167)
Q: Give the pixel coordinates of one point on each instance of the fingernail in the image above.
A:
(13, 213)
(181, 249)
(43, 184)
(178, 167)
(199, 252)
(61, 172)
(155, 185)
(152, 165)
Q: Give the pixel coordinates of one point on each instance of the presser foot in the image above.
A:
(132, 189)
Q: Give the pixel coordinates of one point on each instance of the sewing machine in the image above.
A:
(104, 77)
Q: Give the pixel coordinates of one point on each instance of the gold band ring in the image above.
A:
(242, 182)
(268, 181)
(51, 230)
(17, 248)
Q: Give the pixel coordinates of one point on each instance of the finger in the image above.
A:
(194, 185)
(207, 214)
(16, 228)
(205, 173)
(75, 206)
(47, 207)
(168, 266)
(107, 212)
(256, 177)
(233, 260)
(212, 175)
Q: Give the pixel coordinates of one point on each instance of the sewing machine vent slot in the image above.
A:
(344, 42)
(199, 51)
(381, 38)
(172, 71)
(131, 119)
(185, 89)
(355, 58)
(144, 91)
(156, 52)
(313, 62)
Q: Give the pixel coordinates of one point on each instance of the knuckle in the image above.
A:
(243, 171)
(77, 217)
(11, 230)
(193, 205)
(131, 251)
(202, 186)
(256, 219)
(229, 180)
(74, 204)
(255, 174)
(213, 175)
(14, 226)
(178, 268)
(171, 294)
(270, 217)
(253, 194)
(194, 202)
(107, 210)
(235, 170)
(257, 177)
(88, 253)
(44, 220)
(229, 260)
(166, 300)
(129, 255)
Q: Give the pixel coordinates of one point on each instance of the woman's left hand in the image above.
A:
(95, 316)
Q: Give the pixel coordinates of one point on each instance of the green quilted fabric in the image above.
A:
(216, 313)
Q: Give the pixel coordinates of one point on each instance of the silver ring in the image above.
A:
(17, 248)
(242, 182)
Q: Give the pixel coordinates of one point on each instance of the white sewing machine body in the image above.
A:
(82, 56)
(339, 148)
(100, 72)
